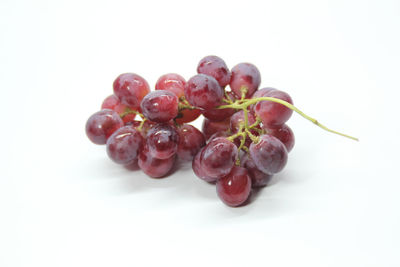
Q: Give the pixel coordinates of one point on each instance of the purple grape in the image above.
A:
(154, 167)
(198, 169)
(160, 106)
(203, 91)
(245, 75)
(191, 140)
(124, 145)
(215, 67)
(162, 140)
(102, 125)
(269, 154)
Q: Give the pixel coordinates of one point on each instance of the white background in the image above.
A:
(64, 203)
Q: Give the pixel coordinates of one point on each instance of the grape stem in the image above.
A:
(245, 103)
(131, 111)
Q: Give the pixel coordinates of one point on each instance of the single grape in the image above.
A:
(187, 115)
(172, 82)
(162, 140)
(215, 67)
(245, 75)
(102, 125)
(285, 135)
(130, 88)
(154, 167)
(191, 140)
(113, 102)
(211, 127)
(160, 106)
(272, 114)
(199, 170)
(218, 157)
(269, 154)
(235, 188)
(258, 178)
(203, 91)
(124, 145)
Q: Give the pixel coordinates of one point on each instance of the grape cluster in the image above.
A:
(244, 139)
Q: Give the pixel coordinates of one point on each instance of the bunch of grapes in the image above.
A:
(244, 139)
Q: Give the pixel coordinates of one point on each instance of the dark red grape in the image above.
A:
(245, 75)
(102, 125)
(187, 115)
(160, 106)
(130, 88)
(258, 178)
(215, 67)
(190, 141)
(285, 135)
(269, 154)
(199, 170)
(218, 157)
(203, 91)
(162, 140)
(124, 145)
(211, 127)
(272, 114)
(235, 188)
(172, 82)
(154, 167)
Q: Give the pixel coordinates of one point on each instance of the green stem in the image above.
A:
(252, 101)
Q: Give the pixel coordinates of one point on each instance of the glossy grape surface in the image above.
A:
(285, 135)
(154, 167)
(215, 67)
(172, 82)
(218, 157)
(203, 91)
(130, 88)
(102, 125)
(162, 140)
(258, 178)
(269, 154)
(235, 188)
(124, 145)
(272, 114)
(160, 106)
(245, 75)
(198, 169)
(191, 140)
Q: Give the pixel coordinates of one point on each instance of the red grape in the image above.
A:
(160, 106)
(215, 67)
(269, 154)
(112, 102)
(238, 118)
(130, 88)
(162, 140)
(102, 125)
(285, 135)
(187, 115)
(218, 134)
(124, 145)
(190, 141)
(245, 75)
(199, 170)
(203, 91)
(235, 188)
(154, 167)
(218, 157)
(258, 178)
(272, 114)
(211, 127)
(172, 82)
